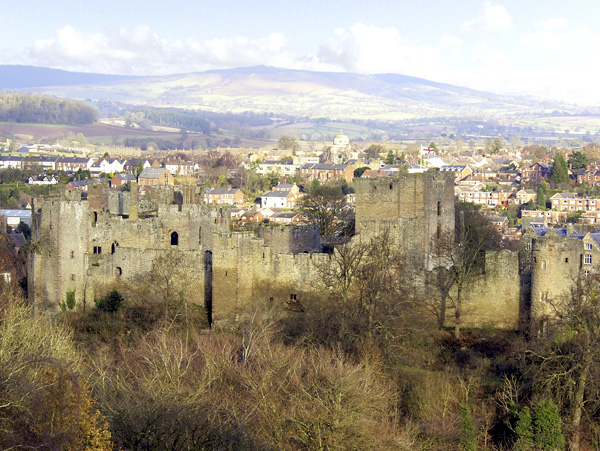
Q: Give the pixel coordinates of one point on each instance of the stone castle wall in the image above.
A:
(493, 300)
(246, 267)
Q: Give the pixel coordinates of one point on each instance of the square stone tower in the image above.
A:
(417, 209)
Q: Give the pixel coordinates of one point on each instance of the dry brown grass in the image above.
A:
(230, 392)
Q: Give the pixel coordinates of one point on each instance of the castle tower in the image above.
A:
(417, 209)
(62, 229)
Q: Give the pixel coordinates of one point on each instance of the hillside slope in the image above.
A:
(282, 91)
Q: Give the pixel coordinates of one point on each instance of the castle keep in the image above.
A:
(87, 246)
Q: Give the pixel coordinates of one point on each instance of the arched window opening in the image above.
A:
(174, 239)
(113, 247)
(118, 271)
(95, 215)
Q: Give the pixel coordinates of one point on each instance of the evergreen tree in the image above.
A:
(540, 199)
(560, 170)
(468, 436)
(547, 430)
(391, 157)
(524, 431)
(578, 160)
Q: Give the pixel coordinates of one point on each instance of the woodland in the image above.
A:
(38, 109)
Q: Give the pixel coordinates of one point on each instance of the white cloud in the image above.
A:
(140, 51)
(491, 57)
(452, 45)
(494, 17)
(370, 49)
(548, 40)
(556, 23)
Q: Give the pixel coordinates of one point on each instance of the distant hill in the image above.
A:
(281, 91)
(24, 77)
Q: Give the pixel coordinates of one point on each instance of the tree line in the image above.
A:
(186, 120)
(39, 109)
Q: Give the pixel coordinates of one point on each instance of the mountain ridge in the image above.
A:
(279, 91)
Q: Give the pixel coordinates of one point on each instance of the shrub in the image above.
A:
(111, 302)
(69, 303)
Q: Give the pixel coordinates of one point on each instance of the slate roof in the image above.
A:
(79, 183)
(285, 215)
(152, 173)
(276, 194)
(126, 176)
(455, 168)
(17, 239)
(13, 213)
(220, 190)
(324, 166)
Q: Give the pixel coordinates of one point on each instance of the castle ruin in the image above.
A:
(110, 238)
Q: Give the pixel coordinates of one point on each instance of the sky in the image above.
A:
(543, 48)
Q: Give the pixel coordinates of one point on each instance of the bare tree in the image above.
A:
(339, 275)
(567, 360)
(174, 281)
(462, 253)
(326, 207)
(380, 279)
(368, 280)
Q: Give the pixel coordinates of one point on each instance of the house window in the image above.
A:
(587, 259)
(174, 239)
(588, 246)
